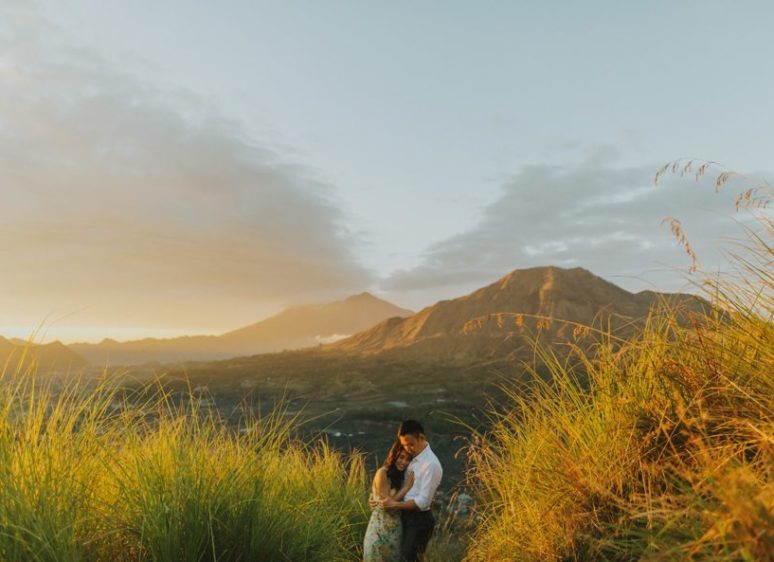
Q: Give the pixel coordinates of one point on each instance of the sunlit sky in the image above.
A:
(192, 167)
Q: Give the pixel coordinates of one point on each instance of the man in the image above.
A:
(416, 518)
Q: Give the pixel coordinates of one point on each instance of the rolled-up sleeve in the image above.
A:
(431, 478)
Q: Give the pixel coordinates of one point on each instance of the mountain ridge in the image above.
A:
(498, 318)
(295, 327)
(46, 357)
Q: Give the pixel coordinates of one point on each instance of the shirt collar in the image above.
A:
(422, 454)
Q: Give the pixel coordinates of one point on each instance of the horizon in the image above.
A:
(189, 169)
(140, 333)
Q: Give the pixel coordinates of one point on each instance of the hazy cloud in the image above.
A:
(599, 214)
(145, 207)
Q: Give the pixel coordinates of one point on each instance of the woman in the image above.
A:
(382, 538)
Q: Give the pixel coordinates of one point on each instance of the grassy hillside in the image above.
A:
(656, 448)
(88, 475)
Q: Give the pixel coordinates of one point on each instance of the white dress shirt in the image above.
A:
(427, 475)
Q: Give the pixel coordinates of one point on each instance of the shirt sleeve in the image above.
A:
(428, 484)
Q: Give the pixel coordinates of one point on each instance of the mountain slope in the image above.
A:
(492, 321)
(294, 328)
(340, 318)
(54, 356)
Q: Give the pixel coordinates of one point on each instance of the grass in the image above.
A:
(86, 474)
(89, 473)
(656, 448)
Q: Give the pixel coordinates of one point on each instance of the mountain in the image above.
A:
(294, 328)
(54, 356)
(493, 321)
(308, 324)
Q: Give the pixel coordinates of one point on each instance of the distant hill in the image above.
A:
(294, 328)
(493, 321)
(54, 356)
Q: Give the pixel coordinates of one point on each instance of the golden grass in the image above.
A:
(657, 448)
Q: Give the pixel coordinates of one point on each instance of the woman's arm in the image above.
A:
(400, 494)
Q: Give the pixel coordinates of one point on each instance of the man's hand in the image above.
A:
(372, 503)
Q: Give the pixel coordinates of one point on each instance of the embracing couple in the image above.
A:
(401, 497)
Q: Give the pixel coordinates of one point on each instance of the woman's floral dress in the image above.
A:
(382, 538)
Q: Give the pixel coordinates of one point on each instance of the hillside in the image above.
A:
(294, 328)
(493, 321)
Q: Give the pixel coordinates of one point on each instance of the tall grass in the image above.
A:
(88, 474)
(656, 448)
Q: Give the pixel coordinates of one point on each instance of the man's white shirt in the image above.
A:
(427, 476)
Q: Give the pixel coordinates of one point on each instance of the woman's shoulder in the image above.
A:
(380, 477)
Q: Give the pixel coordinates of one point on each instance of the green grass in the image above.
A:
(88, 475)
(656, 448)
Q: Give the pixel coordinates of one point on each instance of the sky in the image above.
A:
(192, 167)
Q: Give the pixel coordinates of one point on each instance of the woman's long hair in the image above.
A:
(394, 475)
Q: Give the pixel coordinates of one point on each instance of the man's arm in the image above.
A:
(391, 504)
(428, 483)
(395, 503)
(400, 494)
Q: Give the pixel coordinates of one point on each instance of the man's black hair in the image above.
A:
(410, 427)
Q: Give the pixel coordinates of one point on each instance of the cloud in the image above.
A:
(146, 206)
(598, 214)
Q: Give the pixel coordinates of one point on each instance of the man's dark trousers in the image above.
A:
(417, 530)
